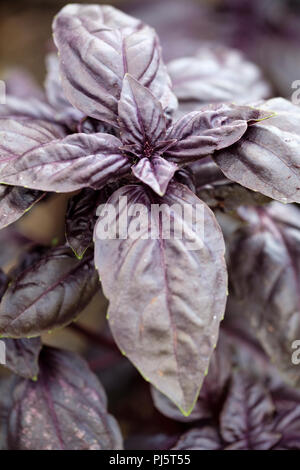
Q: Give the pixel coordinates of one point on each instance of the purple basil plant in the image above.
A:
(203, 133)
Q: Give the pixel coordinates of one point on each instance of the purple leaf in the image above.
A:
(166, 296)
(15, 202)
(4, 280)
(216, 74)
(201, 133)
(211, 395)
(65, 409)
(206, 438)
(265, 278)
(155, 172)
(49, 294)
(141, 118)
(65, 165)
(247, 415)
(22, 356)
(98, 45)
(81, 219)
(267, 158)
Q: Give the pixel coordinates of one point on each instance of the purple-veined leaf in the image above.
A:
(246, 418)
(211, 395)
(98, 45)
(162, 312)
(156, 172)
(49, 294)
(201, 133)
(65, 165)
(81, 219)
(141, 117)
(15, 201)
(267, 158)
(22, 356)
(216, 74)
(65, 409)
(265, 278)
(288, 425)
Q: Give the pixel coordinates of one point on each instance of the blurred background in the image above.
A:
(267, 31)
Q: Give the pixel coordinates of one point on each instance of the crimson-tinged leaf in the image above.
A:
(65, 409)
(246, 418)
(167, 291)
(49, 294)
(265, 279)
(141, 118)
(15, 201)
(200, 133)
(81, 219)
(216, 74)
(65, 165)
(98, 45)
(267, 158)
(155, 172)
(22, 356)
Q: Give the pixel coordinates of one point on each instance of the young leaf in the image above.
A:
(162, 312)
(267, 158)
(201, 133)
(49, 294)
(141, 117)
(15, 201)
(64, 410)
(98, 45)
(22, 356)
(65, 165)
(155, 172)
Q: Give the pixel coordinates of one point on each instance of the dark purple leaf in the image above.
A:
(246, 418)
(16, 201)
(267, 158)
(81, 219)
(166, 296)
(216, 74)
(155, 172)
(265, 277)
(7, 385)
(201, 133)
(288, 425)
(65, 165)
(22, 356)
(98, 45)
(65, 409)
(49, 294)
(206, 438)
(212, 391)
